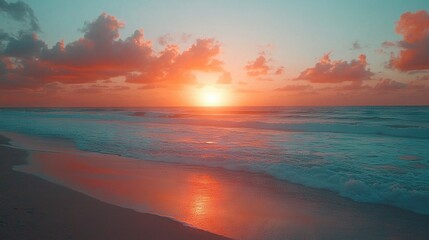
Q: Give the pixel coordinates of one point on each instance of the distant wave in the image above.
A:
(364, 153)
(394, 130)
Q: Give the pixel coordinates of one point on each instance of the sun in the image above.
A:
(211, 97)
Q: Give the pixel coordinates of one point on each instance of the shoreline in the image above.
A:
(32, 208)
(235, 204)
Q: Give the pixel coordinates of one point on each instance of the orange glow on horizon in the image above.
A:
(211, 97)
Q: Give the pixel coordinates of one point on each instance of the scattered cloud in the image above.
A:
(261, 68)
(414, 54)
(257, 67)
(328, 71)
(279, 71)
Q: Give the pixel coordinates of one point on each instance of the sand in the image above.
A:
(32, 208)
(236, 204)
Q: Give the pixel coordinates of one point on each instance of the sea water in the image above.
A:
(368, 154)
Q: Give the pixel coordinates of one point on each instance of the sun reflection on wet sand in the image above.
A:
(233, 204)
(203, 194)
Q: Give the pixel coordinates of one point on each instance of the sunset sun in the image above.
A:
(211, 97)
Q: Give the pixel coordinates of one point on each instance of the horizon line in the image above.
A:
(214, 107)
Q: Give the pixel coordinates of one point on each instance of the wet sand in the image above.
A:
(32, 208)
(230, 203)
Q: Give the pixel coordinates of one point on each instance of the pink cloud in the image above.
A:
(279, 71)
(389, 85)
(414, 54)
(174, 67)
(383, 86)
(257, 67)
(294, 88)
(328, 71)
(169, 38)
(165, 39)
(261, 68)
(100, 55)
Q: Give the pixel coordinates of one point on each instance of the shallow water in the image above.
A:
(246, 206)
(368, 154)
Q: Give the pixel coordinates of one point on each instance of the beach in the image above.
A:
(32, 208)
(124, 198)
(186, 120)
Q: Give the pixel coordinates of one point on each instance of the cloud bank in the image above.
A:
(27, 62)
(329, 71)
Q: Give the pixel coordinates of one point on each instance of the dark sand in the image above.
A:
(32, 208)
(236, 204)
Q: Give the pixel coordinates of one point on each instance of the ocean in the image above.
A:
(368, 154)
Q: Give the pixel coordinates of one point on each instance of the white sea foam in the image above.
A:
(357, 152)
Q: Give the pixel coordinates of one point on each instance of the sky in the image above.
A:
(203, 53)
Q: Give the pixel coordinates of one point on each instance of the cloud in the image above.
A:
(328, 71)
(20, 11)
(96, 88)
(165, 39)
(414, 54)
(423, 77)
(389, 85)
(294, 88)
(101, 54)
(382, 86)
(260, 67)
(175, 68)
(26, 45)
(101, 48)
(279, 71)
(169, 38)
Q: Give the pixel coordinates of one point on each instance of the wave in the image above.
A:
(398, 130)
(362, 159)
